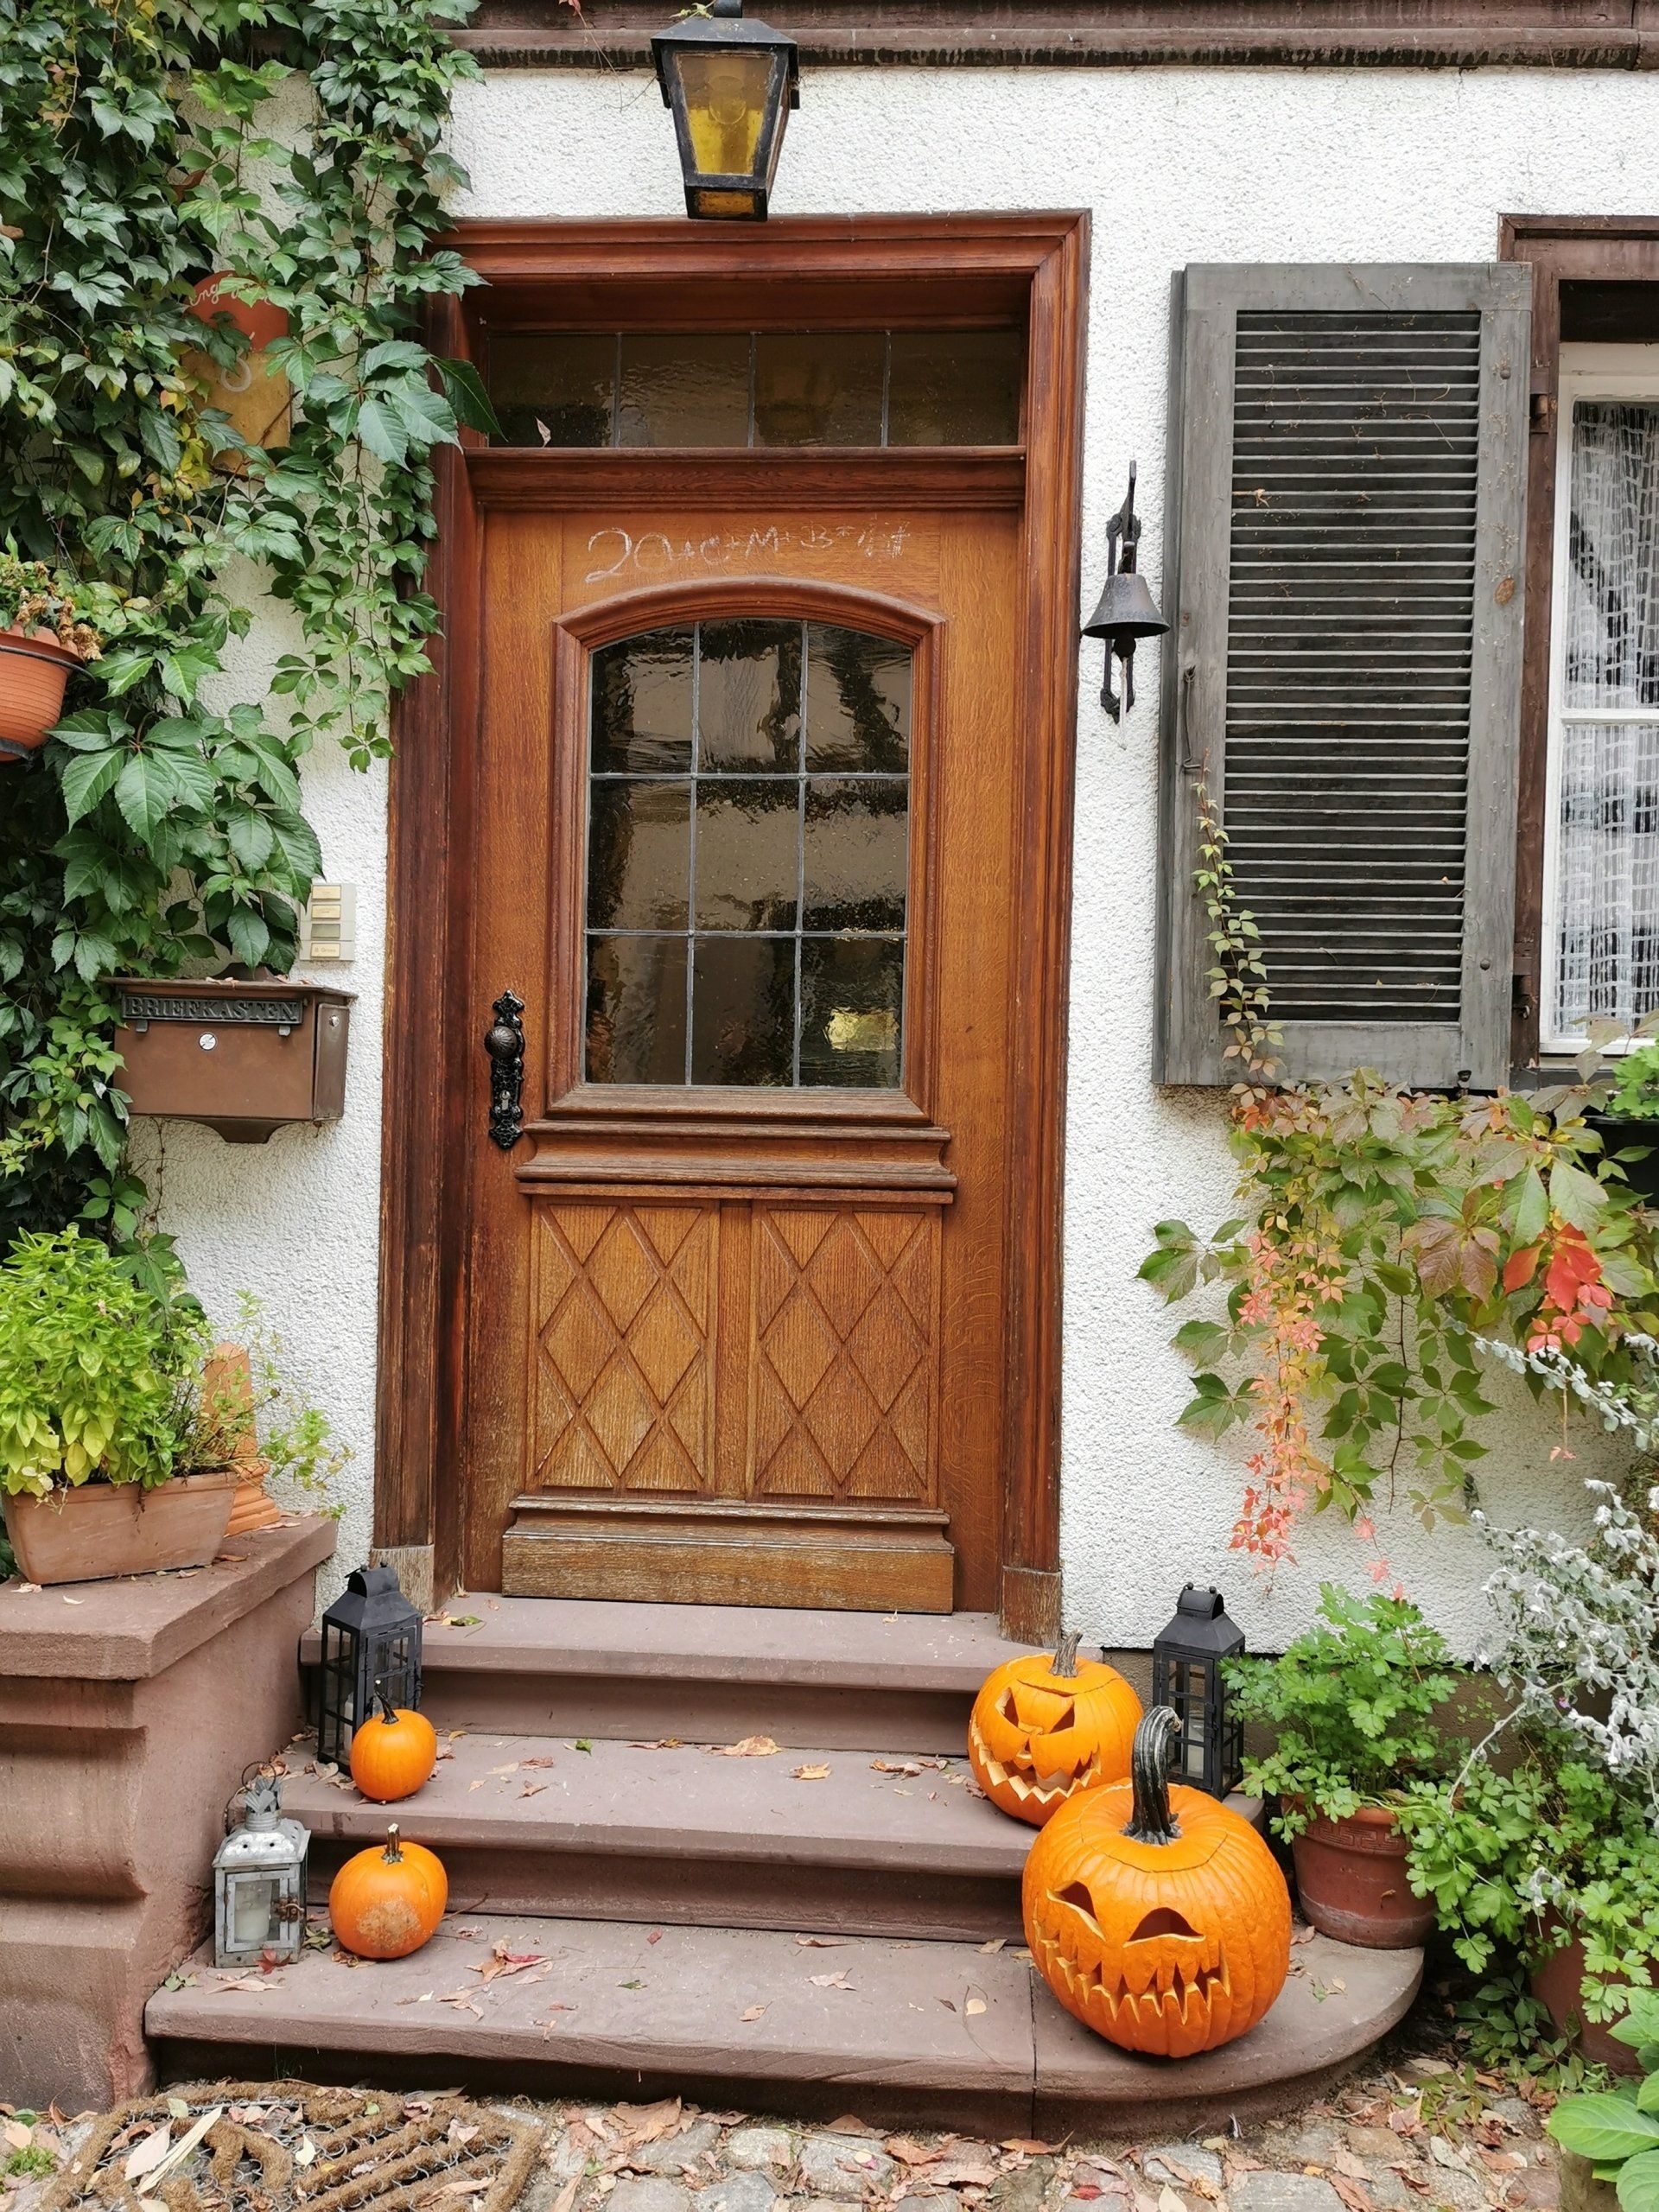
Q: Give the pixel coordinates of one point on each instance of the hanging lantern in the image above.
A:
(371, 1642)
(259, 1883)
(1187, 1674)
(730, 85)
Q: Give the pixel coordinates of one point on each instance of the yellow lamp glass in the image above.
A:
(730, 85)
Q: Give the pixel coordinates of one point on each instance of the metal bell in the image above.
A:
(1128, 610)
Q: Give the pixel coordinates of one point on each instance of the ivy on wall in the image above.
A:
(160, 830)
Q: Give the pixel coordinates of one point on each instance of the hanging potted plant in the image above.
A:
(44, 636)
(1351, 1704)
(117, 1452)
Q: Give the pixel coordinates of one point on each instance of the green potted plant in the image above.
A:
(45, 631)
(1610, 2137)
(1627, 1121)
(1351, 1707)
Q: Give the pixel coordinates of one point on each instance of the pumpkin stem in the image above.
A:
(1152, 1820)
(386, 1709)
(394, 1851)
(1063, 1665)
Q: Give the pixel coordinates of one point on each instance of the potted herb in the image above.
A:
(44, 633)
(1351, 1706)
(1628, 1119)
(122, 1446)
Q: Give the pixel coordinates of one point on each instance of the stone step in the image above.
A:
(896, 2033)
(706, 1674)
(679, 1833)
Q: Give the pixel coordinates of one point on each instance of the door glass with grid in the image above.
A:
(748, 842)
(1605, 742)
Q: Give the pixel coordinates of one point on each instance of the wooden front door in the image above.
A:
(746, 772)
(738, 1290)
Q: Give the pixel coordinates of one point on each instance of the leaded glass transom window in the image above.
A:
(1603, 857)
(748, 843)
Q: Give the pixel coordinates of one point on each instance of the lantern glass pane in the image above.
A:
(724, 91)
(252, 1911)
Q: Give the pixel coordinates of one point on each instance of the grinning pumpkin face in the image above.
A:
(1156, 1915)
(1044, 1728)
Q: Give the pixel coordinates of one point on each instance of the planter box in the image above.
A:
(102, 1529)
(1558, 1985)
(125, 1723)
(244, 1058)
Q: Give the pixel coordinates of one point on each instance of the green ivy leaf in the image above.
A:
(85, 780)
(384, 436)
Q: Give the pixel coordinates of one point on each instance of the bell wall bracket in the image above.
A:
(1127, 612)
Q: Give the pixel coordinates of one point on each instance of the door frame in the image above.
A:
(819, 269)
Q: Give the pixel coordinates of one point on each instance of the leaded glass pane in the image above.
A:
(1612, 590)
(749, 857)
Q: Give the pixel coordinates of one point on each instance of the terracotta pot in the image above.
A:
(1350, 1875)
(101, 1529)
(1558, 1985)
(34, 668)
(251, 1508)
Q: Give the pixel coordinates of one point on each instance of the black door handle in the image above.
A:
(504, 1040)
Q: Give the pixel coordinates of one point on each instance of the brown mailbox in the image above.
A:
(244, 1058)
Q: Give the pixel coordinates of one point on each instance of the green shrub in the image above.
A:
(1351, 1706)
(93, 1368)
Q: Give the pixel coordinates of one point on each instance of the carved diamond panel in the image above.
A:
(623, 1356)
(846, 1323)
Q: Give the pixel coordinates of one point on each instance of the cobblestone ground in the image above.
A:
(1411, 2132)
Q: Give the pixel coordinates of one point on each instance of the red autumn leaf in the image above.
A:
(1521, 1267)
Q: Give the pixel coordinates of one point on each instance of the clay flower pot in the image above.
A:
(34, 668)
(1558, 1985)
(100, 1529)
(1351, 1875)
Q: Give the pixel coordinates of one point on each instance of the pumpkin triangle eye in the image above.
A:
(1066, 1719)
(1008, 1709)
(1163, 1920)
(1075, 1894)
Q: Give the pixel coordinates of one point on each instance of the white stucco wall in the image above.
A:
(1177, 166)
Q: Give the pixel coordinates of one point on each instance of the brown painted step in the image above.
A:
(527, 1824)
(897, 2033)
(706, 1674)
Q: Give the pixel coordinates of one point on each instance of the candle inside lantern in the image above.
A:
(251, 1913)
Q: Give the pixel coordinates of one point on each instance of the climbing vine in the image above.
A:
(163, 827)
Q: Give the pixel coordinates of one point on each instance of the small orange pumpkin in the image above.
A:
(387, 1901)
(1156, 1915)
(394, 1752)
(1044, 1728)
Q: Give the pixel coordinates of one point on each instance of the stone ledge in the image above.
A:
(132, 1629)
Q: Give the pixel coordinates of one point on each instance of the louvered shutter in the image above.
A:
(1345, 505)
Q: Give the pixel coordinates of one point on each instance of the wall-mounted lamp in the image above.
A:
(1127, 611)
(730, 85)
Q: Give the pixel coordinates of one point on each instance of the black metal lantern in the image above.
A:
(370, 1640)
(1186, 1673)
(1127, 611)
(731, 85)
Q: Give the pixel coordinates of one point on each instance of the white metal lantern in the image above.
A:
(259, 1883)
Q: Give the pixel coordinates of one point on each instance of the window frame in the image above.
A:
(1584, 371)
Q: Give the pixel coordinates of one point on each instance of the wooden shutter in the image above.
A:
(1347, 507)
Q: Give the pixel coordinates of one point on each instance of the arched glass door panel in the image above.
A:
(748, 856)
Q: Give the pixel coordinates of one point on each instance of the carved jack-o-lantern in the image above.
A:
(1042, 1729)
(1156, 1915)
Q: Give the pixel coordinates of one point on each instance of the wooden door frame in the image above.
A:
(821, 269)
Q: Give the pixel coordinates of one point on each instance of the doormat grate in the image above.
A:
(286, 2147)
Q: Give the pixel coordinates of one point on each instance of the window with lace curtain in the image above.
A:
(1602, 841)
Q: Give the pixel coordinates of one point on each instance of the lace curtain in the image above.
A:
(1608, 850)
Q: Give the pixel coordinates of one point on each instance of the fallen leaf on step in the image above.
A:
(150, 2153)
(20, 2137)
(974, 2004)
(991, 1949)
(532, 1789)
(897, 1766)
(753, 2013)
(849, 2123)
(501, 1961)
(75, 1601)
(821, 1942)
(810, 1773)
(567, 2195)
(655, 1937)
(966, 2173)
(1030, 2146)
(747, 1747)
(1168, 2201)
(1353, 2196)
(829, 1980)
(909, 2153)
(662, 1744)
(462, 2001)
(511, 1767)
(535, 1762)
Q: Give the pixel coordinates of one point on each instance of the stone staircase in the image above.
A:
(830, 1925)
